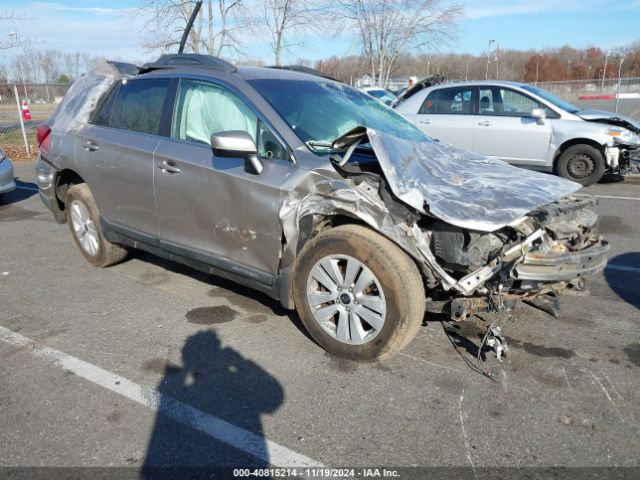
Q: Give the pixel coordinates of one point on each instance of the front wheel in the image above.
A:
(357, 293)
(581, 163)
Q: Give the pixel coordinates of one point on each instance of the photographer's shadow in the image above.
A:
(223, 385)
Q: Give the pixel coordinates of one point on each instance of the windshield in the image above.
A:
(551, 98)
(320, 112)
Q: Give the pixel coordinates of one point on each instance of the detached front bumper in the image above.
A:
(561, 265)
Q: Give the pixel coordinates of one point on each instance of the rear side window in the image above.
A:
(448, 101)
(102, 116)
(138, 106)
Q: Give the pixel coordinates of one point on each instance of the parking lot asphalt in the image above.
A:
(149, 363)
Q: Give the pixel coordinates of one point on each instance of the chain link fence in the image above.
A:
(17, 126)
(613, 95)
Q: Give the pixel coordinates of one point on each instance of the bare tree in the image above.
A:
(387, 29)
(169, 19)
(285, 17)
(15, 42)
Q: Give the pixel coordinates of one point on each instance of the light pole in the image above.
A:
(486, 73)
(604, 73)
(24, 86)
(538, 66)
(568, 69)
(619, 81)
(466, 75)
(497, 70)
(428, 65)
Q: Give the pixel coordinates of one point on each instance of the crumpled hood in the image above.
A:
(593, 115)
(460, 187)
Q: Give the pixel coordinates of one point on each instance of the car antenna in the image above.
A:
(189, 26)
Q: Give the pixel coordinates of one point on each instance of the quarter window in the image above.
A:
(138, 106)
(203, 109)
(448, 101)
(102, 116)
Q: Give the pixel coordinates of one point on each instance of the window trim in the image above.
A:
(291, 160)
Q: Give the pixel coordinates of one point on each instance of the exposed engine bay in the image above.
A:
(627, 142)
(495, 251)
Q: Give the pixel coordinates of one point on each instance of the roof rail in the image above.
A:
(189, 60)
(302, 69)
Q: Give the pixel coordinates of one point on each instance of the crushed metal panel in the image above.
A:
(460, 187)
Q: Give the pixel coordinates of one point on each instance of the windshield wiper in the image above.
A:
(315, 143)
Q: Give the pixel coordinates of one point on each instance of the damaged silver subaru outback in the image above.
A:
(310, 191)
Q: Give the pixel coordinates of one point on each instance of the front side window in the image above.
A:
(203, 109)
(448, 101)
(504, 102)
(138, 106)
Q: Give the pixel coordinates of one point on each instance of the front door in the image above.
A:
(504, 127)
(208, 205)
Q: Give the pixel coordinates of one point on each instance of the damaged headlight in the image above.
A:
(622, 135)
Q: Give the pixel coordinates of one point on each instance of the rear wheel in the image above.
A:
(357, 293)
(84, 222)
(581, 163)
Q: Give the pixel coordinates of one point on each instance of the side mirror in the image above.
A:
(237, 144)
(539, 114)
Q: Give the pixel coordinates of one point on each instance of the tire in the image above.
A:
(84, 223)
(581, 163)
(396, 282)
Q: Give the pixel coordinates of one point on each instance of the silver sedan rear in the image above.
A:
(7, 184)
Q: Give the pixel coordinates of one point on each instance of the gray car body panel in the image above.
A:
(549, 136)
(250, 228)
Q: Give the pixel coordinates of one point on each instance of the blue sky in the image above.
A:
(108, 28)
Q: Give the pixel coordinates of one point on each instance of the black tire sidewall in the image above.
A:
(397, 311)
(82, 194)
(596, 156)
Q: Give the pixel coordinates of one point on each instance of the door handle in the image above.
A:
(168, 167)
(425, 122)
(485, 124)
(90, 146)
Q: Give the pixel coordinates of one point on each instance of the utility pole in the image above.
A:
(486, 73)
(619, 81)
(604, 73)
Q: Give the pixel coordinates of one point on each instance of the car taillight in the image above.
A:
(42, 136)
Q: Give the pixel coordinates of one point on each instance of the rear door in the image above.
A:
(208, 205)
(447, 115)
(119, 143)
(505, 129)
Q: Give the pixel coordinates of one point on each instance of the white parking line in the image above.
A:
(215, 427)
(622, 268)
(31, 189)
(616, 198)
